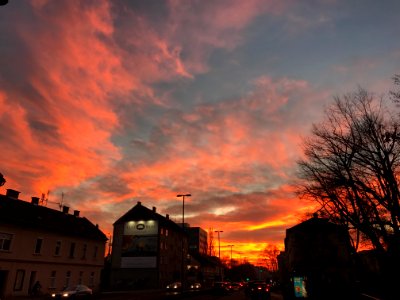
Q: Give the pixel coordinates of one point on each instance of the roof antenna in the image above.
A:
(45, 198)
(62, 201)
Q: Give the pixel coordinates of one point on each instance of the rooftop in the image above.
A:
(29, 215)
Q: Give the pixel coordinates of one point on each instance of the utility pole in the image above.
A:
(219, 253)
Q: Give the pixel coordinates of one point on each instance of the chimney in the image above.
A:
(76, 213)
(139, 203)
(65, 209)
(35, 200)
(154, 209)
(167, 216)
(12, 194)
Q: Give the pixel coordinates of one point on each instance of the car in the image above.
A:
(174, 288)
(195, 286)
(174, 285)
(258, 290)
(234, 286)
(74, 292)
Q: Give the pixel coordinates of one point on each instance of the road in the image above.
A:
(160, 295)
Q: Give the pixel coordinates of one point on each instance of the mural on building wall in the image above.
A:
(140, 244)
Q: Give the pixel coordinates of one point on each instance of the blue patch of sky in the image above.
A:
(352, 31)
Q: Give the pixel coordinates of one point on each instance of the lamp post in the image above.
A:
(183, 237)
(219, 252)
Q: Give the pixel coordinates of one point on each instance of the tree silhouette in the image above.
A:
(2, 180)
(270, 257)
(352, 165)
(352, 170)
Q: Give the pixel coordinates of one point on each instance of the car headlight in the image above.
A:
(53, 295)
(65, 295)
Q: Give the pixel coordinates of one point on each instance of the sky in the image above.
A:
(107, 103)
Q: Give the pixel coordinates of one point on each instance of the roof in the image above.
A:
(143, 213)
(27, 215)
(316, 224)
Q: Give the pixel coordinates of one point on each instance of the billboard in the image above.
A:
(300, 287)
(139, 244)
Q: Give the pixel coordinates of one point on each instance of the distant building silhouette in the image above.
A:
(41, 244)
(197, 240)
(317, 262)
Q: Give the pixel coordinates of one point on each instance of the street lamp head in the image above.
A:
(218, 231)
(183, 195)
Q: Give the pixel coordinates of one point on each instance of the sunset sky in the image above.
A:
(115, 102)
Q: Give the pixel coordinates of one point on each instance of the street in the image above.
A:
(160, 295)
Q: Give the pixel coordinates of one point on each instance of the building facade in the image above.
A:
(197, 240)
(39, 244)
(148, 250)
(318, 261)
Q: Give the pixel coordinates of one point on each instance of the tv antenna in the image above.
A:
(44, 199)
(60, 204)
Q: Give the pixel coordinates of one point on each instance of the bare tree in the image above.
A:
(269, 257)
(352, 166)
(396, 94)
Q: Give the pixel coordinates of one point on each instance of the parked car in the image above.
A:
(258, 290)
(79, 291)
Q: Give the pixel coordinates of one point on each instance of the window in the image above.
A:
(53, 279)
(67, 278)
(5, 241)
(72, 250)
(84, 251)
(19, 280)
(57, 250)
(38, 245)
(91, 279)
(96, 249)
(161, 231)
(166, 232)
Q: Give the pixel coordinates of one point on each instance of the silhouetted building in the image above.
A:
(317, 261)
(147, 250)
(37, 243)
(197, 240)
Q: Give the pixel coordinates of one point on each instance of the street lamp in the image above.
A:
(219, 252)
(183, 237)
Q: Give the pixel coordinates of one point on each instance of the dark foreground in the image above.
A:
(199, 295)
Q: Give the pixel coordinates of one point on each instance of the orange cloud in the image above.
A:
(85, 113)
